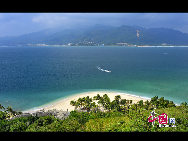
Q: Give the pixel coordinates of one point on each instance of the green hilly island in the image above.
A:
(101, 35)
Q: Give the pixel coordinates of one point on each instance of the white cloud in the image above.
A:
(72, 19)
(49, 20)
(58, 19)
(20, 23)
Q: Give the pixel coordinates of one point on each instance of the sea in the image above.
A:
(34, 76)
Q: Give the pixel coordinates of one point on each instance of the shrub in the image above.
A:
(18, 126)
(4, 126)
(2, 115)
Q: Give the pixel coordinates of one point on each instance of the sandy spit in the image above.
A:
(64, 103)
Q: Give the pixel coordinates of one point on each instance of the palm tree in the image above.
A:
(154, 101)
(147, 103)
(134, 106)
(166, 102)
(184, 104)
(129, 102)
(80, 102)
(19, 112)
(106, 102)
(1, 107)
(112, 105)
(94, 107)
(11, 111)
(88, 100)
(117, 98)
(105, 96)
(101, 101)
(72, 103)
(161, 102)
(140, 103)
(75, 103)
(87, 103)
(171, 104)
(115, 104)
(123, 102)
(97, 97)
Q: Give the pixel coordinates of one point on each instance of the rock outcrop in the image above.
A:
(56, 113)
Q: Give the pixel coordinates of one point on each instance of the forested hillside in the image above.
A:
(101, 34)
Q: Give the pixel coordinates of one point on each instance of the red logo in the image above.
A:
(162, 119)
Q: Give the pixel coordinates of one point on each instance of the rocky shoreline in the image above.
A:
(59, 114)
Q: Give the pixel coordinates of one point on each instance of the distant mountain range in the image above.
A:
(101, 35)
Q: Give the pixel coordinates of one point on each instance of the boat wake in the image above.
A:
(99, 68)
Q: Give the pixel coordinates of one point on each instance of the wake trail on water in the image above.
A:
(99, 68)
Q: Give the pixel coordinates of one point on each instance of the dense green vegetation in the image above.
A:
(99, 114)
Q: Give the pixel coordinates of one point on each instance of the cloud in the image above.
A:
(171, 20)
(13, 24)
(71, 19)
(50, 20)
(167, 20)
(21, 23)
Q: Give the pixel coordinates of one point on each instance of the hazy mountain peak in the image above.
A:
(102, 34)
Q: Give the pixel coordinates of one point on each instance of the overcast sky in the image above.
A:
(13, 24)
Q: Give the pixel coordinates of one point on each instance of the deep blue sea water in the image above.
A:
(33, 76)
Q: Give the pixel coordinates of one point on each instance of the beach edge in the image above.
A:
(64, 102)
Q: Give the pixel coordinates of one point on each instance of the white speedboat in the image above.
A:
(99, 68)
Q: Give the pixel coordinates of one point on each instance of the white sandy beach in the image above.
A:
(64, 103)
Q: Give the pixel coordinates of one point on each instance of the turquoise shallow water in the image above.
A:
(30, 77)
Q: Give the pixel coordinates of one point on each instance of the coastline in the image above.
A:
(64, 103)
(139, 46)
(67, 46)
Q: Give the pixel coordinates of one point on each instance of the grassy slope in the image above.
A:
(138, 122)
